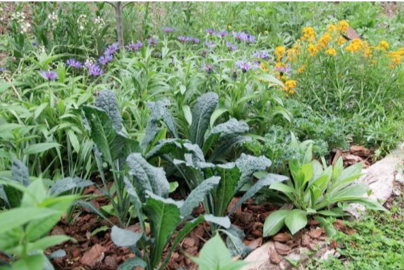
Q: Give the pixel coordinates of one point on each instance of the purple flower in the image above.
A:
(74, 63)
(95, 70)
(167, 29)
(2, 69)
(222, 34)
(152, 41)
(245, 66)
(287, 69)
(210, 31)
(105, 59)
(190, 39)
(195, 40)
(111, 49)
(211, 45)
(263, 55)
(134, 46)
(34, 43)
(204, 52)
(88, 63)
(182, 39)
(231, 46)
(250, 38)
(241, 36)
(208, 68)
(49, 75)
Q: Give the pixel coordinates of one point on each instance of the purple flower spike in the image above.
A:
(167, 29)
(152, 41)
(231, 46)
(190, 39)
(34, 43)
(105, 59)
(74, 63)
(287, 70)
(222, 34)
(2, 69)
(250, 38)
(195, 40)
(95, 70)
(210, 31)
(134, 46)
(263, 55)
(49, 75)
(111, 49)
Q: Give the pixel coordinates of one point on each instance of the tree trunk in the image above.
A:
(119, 28)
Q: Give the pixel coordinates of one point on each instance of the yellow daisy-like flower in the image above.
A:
(355, 46)
(263, 67)
(279, 52)
(396, 57)
(312, 49)
(341, 40)
(331, 28)
(290, 85)
(293, 52)
(383, 45)
(331, 52)
(308, 34)
(324, 40)
(301, 69)
(367, 51)
(343, 26)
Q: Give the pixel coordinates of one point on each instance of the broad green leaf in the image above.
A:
(187, 113)
(198, 194)
(38, 189)
(268, 180)
(201, 113)
(216, 114)
(18, 216)
(164, 218)
(221, 221)
(132, 263)
(248, 165)
(124, 238)
(296, 220)
(109, 141)
(29, 263)
(274, 222)
(234, 242)
(165, 147)
(225, 190)
(106, 101)
(147, 177)
(47, 242)
(282, 187)
(67, 184)
(215, 255)
(347, 176)
(159, 112)
(39, 148)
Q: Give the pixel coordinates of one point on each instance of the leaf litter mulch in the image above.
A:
(95, 250)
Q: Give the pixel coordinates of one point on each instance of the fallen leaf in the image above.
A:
(316, 233)
(282, 249)
(255, 243)
(94, 255)
(282, 237)
(305, 240)
(274, 257)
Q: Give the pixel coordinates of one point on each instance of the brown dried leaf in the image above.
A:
(282, 237)
(282, 249)
(305, 240)
(94, 255)
(316, 233)
(274, 257)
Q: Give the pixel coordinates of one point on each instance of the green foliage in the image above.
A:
(375, 244)
(24, 228)
(315, 190)
(215, 255)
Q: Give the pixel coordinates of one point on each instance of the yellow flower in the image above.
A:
(308, 34)
(263, 67)
(367, 52)
(383, 45)
(341, 40)
(355, 46)
(331, 28)
(343, 26)
(396, 57)
(331, 52)
(324, 40)
(290, 85)
(312, 49)
(293, 52)
(301, 69)
(279, 52)
(266, 32)
(229, 27)
(292, 91)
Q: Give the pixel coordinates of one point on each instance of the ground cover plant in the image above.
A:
(162, 130)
